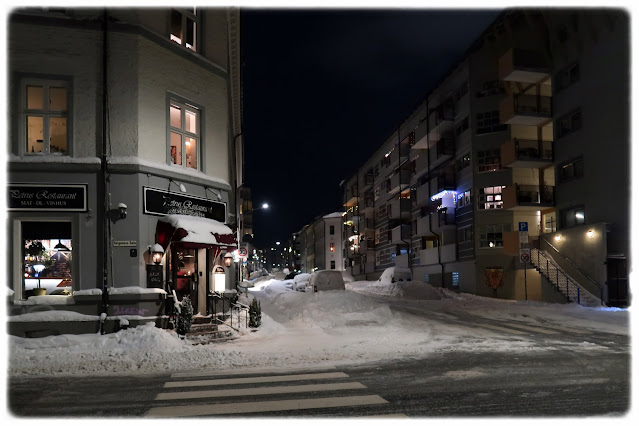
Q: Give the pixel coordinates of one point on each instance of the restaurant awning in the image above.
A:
(194, 232)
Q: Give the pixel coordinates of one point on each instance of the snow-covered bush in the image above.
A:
(255, 313)
(185, 317)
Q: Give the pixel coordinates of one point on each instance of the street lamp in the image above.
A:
(156, 253)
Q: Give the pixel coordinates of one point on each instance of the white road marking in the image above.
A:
(261, 379)
(272, 390)
(218, 372)
(263, 406)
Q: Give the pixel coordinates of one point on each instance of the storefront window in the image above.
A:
(47, 258)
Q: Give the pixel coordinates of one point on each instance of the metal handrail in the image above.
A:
(573, 264)
(564, 283)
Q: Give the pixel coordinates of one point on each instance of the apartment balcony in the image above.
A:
(368, 206)
(442, 151)
(445, 182)
(352, 216)
(442, 220)
(367, 246)
(422, 197)
(401, 261)
(350, 231)
(430, 256)
(529, 110)
(423, 227)
(399, 181)
(400, 234)
(523, 66)
(400, 208)
(421, 139)
(528, 197)
(440, 120)
(368, 234)
(527, 153)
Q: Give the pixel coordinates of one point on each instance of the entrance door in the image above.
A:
(185, 261)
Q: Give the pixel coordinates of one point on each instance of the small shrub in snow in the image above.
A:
(185, 317)
(255, 314)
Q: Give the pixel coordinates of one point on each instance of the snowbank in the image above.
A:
(391, 275)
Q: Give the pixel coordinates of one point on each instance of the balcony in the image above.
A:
(429, 256)
(443, 220)
(421, 141)
(526, 153)
(350, 231)
(399, 181)
(423, 227)
(367, 246)
(368, 180)
(422, 195)
(401, 261)
(400, 208)
(400, 234)
(528, 197)
(444, 182)
(440, 120)
(523, 66)
(529, 110)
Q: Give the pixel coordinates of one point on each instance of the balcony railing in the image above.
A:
(523, 65)
(528, 196)
(526, 153)
(525, 109)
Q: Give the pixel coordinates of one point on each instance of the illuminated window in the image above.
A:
(332, 247)
(574, 216)
(490, 198)
(184, 134)
(45, 112)
(184, 26)
(491, 236)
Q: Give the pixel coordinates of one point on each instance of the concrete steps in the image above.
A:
(204, 332)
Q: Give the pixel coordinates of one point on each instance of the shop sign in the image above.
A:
(154, 276)
(125, 243)
(160, 202)
(45, 197)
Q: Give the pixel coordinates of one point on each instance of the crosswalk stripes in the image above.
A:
(211, 391)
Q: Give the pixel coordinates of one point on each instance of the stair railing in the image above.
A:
(577, 267)
(549, 269)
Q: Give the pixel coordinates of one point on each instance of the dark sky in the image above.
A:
(323, 89)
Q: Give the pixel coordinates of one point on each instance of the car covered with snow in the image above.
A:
(301, 281)
(326, 280)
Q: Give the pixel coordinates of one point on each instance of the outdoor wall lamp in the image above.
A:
(228, 259)
(218, 194)
(590, 233)
(558, 237)
(117, 214)
(156, 253)
(122, 209)
(181, 186)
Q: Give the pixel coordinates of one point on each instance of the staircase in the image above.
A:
(574, 292)
(203, 332)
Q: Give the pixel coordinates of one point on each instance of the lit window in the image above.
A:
(492, 235)
(489, 161)
(490, 198)
(45, 112)
(332, 247)
(184, 24)
(184, 139)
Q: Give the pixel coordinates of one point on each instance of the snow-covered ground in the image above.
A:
(325, 328)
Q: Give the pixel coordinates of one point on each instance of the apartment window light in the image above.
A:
(45, 116)
(184, 26)
(184, 134)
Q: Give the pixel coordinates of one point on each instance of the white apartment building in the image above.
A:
(499, 162)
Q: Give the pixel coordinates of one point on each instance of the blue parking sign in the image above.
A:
(523, 226)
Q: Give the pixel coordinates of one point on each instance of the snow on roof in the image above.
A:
(167, 167)
(200, 229)
(332, 215)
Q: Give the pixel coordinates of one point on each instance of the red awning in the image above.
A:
(194, 232)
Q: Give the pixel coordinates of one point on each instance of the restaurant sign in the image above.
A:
(160, 202)
(45, 197)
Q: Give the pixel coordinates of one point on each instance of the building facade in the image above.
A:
(499, 162)
(122, 149)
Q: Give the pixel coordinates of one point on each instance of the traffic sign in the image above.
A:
(242, 252)
(523, 226)
(524, 255)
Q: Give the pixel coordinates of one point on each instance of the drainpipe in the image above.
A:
(104, 178)
(430, 218)
(399, 155)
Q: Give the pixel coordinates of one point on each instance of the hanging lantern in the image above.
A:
(156, 253)
(228, 259)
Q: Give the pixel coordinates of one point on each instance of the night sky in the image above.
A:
(323, 89)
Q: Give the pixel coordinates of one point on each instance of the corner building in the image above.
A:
(123, 144)
(500, 161)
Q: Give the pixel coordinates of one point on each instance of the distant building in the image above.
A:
(521, 151)
(124, 138)
(320, 244)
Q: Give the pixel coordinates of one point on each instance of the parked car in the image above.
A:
(326, 280)
(301, 281)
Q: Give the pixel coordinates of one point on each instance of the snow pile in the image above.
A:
(391, 275)
(414, 290)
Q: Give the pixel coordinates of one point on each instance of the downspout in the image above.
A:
(104, 179)
(399, 156)
(430, 218)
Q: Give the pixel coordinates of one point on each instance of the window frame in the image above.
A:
(185, 106)
(193, 16)
(45, 83)
(497, 201)
(497, 228)
(578, 172)
(573, 117)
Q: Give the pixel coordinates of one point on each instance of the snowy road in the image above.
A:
(404, 349)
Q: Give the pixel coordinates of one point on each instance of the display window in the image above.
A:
(47, 258)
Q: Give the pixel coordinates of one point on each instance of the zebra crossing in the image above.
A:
(252, 392)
